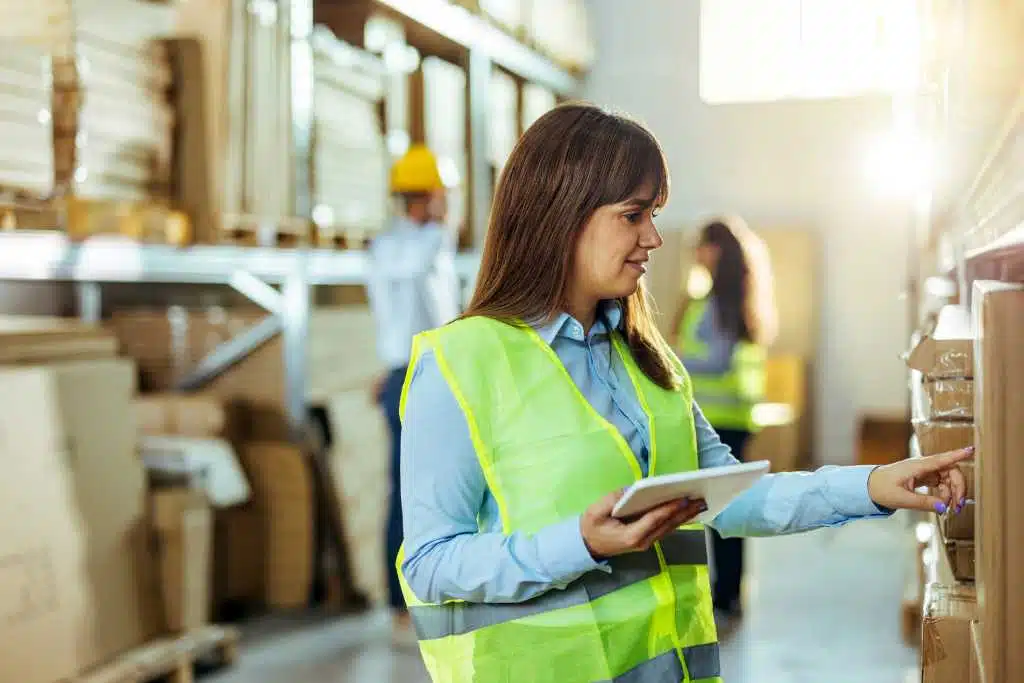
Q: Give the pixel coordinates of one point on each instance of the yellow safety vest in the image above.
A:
(547, 455)
(727, 400)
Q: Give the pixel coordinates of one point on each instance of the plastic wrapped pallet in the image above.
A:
(26, 133)
(504, 128)
(444, 104)
(509, 14)
(246, 55)
(114, 132)
(350, 160)
(537, 101)
(561, 28)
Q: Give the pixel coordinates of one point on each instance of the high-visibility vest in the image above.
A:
(728, 399)
(547, 455)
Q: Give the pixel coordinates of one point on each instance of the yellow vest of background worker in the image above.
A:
(727, 400)
(547, 455)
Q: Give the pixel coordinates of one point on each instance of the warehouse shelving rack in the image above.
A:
(280, 281)
(443, 28)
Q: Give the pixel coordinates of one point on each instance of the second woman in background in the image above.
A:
(721, 336)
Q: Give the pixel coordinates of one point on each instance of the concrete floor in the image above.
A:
(822, 608)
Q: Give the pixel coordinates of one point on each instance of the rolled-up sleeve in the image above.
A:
(447, 556)
(787, 502)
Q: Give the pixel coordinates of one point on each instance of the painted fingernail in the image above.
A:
(940, 508)
(970, 449)
(703, 507)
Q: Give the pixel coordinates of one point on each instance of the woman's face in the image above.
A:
(613, 249)
(707, 256)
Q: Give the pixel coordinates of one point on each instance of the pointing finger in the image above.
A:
(943, 461)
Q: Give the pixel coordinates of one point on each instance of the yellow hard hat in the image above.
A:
(415, 172)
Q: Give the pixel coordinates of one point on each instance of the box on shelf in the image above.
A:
(940, 437)
(183, 523)
(176, 414)
(949, 399)
(999, 322)
(946, 633)
(958, 526)
(948, 352)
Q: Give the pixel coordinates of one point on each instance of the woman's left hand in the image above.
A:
(892, 486)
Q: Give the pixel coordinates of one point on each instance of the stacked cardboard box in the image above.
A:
(350, 159)
(999, 323)
(76, 578)
(943, 412)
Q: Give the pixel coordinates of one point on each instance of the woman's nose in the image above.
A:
(650, 238)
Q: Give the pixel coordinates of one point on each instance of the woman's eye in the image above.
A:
(634, 218)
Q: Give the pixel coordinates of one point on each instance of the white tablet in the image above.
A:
(716, 485)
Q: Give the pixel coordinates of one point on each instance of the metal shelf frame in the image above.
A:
(253, 272)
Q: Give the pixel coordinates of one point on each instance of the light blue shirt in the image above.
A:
(454, 546)
(412, 285)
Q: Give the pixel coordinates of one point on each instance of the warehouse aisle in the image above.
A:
(823, 607)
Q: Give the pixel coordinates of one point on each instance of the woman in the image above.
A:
(722, 339)
(525, 419)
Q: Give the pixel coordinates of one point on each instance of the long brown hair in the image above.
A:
(569, 163)
(742, 286)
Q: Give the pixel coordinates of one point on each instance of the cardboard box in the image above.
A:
(28, 339)
(958, 526)
(999, 322)
(75, 574)
(44, 591)
(282, 489)
(195, 415)
(948, 352)
(183, 523)
(977, 662)
(95, 399)
(949, 399)
(946, 633)
(941, 437)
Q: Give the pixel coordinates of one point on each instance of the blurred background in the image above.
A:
(195, 471)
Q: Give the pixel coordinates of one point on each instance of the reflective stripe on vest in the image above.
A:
(702, 662)
(546, 454)
(683, 547)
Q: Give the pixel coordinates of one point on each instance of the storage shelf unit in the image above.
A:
(456, 24)
(51, 256)
(45, 256)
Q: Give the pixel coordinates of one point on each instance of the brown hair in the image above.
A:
(742, 286)
(569, 163)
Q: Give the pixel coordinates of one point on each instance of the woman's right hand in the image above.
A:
(605, 536)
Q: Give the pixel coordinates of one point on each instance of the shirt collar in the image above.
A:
(564, 325)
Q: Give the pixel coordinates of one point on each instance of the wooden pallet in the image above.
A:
(139, 221)
(83, 218)
(339, 238)
(171, 658)
(254, 231)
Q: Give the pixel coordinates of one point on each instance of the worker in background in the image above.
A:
(412, 287)
(722, 335)
(524, 420)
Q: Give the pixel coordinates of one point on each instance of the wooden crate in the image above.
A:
(170, 658)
